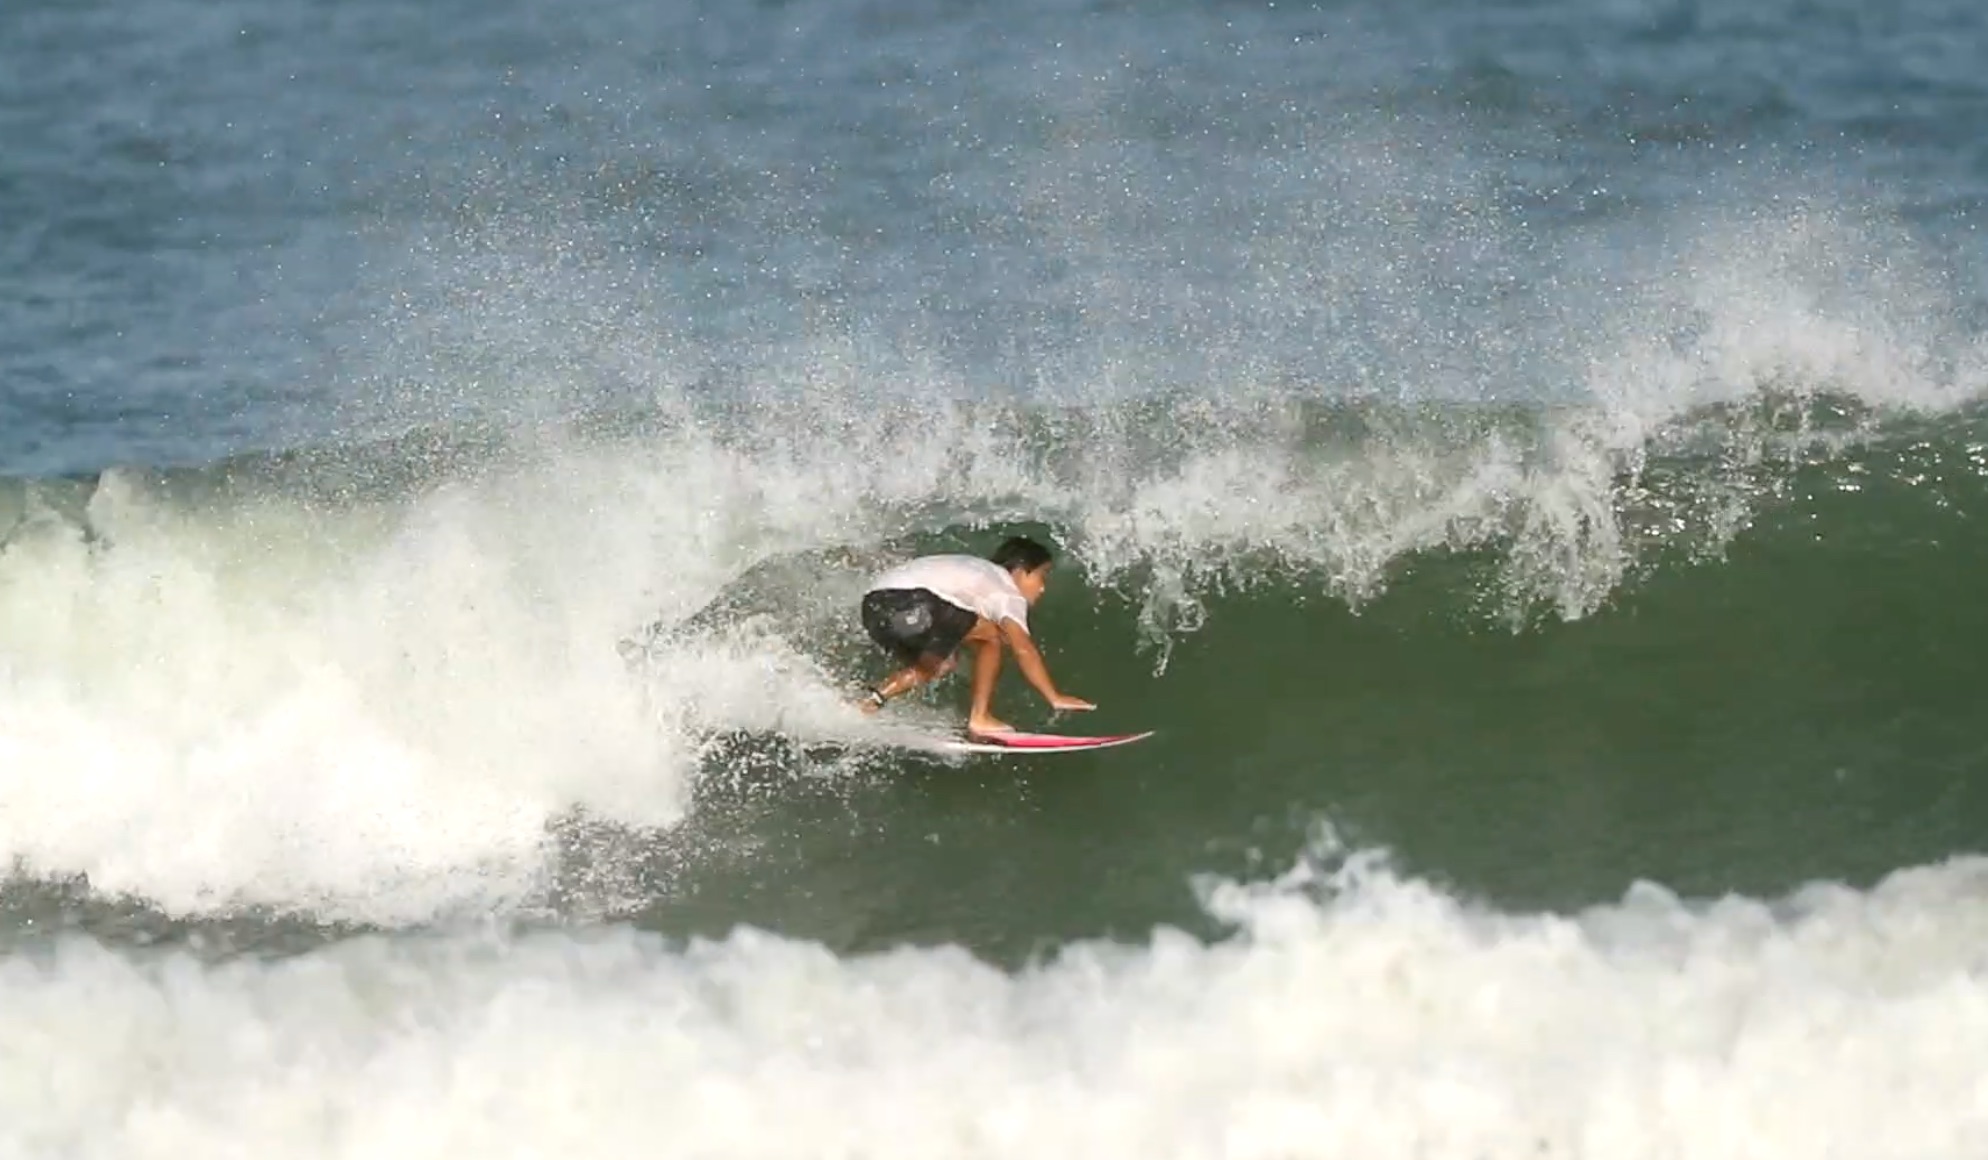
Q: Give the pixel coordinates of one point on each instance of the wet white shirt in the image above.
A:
(982, 587)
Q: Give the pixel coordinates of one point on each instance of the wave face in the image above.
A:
(366, 682)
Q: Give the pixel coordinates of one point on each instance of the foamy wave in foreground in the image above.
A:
(1375, 1018)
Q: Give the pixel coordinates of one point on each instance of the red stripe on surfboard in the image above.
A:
(1046, 740)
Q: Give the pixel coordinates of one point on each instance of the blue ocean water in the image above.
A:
(243, 226)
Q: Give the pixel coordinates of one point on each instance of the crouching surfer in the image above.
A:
(922, 611)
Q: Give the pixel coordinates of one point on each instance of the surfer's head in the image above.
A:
(1028, 562)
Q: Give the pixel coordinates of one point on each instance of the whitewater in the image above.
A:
(1352, 1011)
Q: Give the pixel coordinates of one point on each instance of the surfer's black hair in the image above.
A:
(1020, 554)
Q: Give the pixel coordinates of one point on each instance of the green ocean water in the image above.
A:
(1752, 662)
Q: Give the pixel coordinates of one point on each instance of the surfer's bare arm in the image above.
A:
(1029, 659)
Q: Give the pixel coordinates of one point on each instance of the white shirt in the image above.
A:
(982, 587)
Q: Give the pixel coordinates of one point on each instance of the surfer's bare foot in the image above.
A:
(981, 726)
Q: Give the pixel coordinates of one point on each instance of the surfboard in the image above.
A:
(1037, 742)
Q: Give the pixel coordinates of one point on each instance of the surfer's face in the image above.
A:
(1032, 582)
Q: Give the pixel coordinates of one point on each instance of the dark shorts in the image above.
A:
(912, 623)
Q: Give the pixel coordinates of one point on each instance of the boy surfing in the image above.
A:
(923, 610)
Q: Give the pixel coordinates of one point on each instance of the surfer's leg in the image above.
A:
(986, 644)
(898, 683)
(924, 669)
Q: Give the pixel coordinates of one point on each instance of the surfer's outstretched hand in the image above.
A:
(1064, 702)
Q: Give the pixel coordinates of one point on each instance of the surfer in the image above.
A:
(923, 610)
